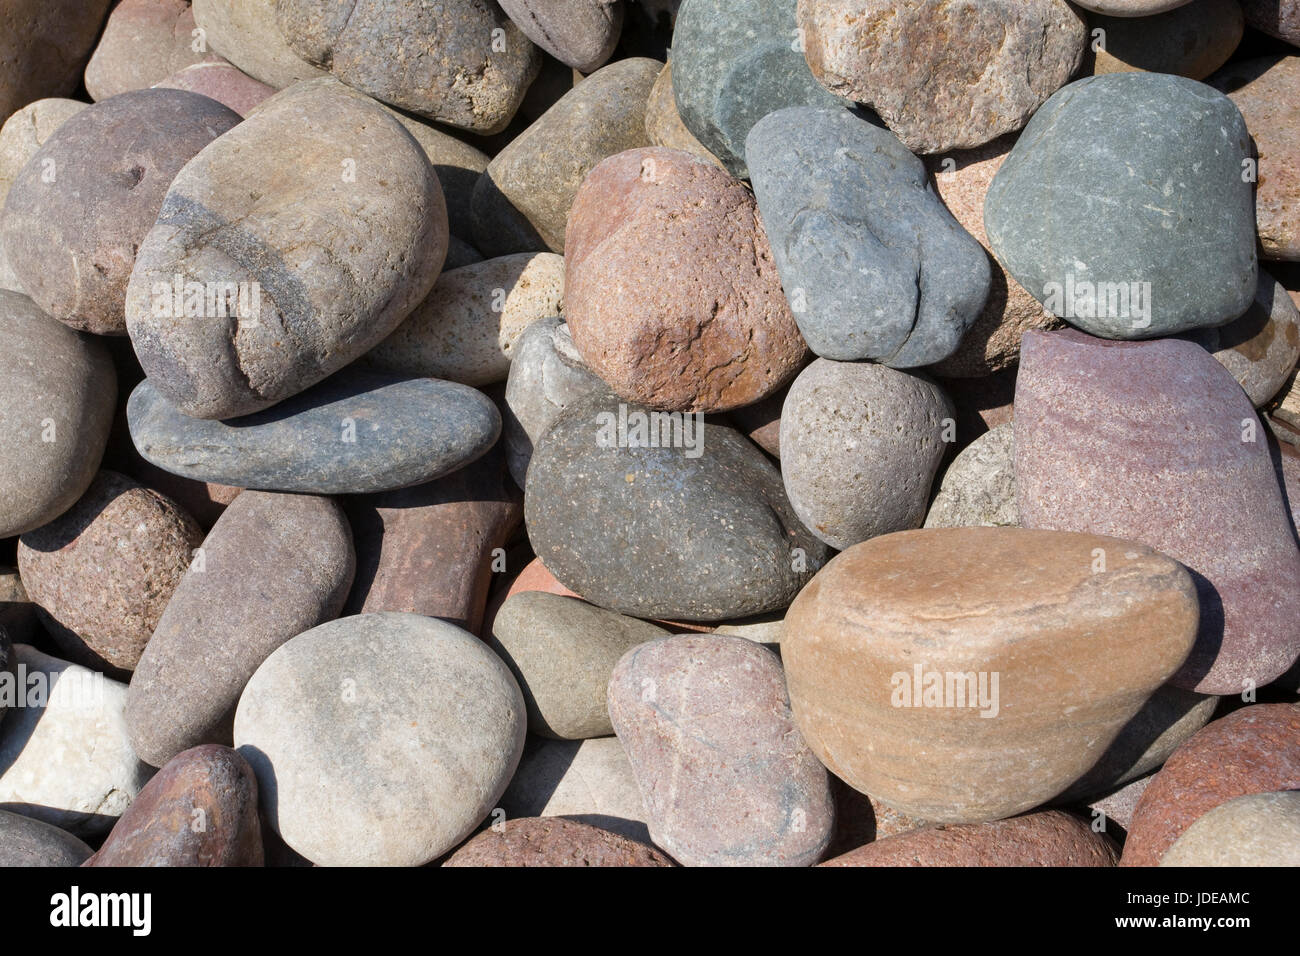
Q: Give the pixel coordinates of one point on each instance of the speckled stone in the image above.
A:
(143, 42)
(671, 292)
(203, 501)
(104, 570)
(26, 132)
(1259, 829)
(198, 810)
(72, 242)
(380, 739)
(824, 179)
(1170, 210)
(724, 775)
(43, 47)
(550, 841)
(1094, 452)
(663, 124)
(578, 33)
(244, 32)
(272, 567)
(28, 842)
(1047, 838)
(1277, 18)
(343, 223)
(221, 81)
(596, 516)
(937, 94)
(979, 486)
(1077, 647)
(1191, 40)
(1252, 750)
(522, 200)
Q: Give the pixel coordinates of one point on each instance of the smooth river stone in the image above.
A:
(28, 842)
(72, 242)
(221, 81)
(1192, 40)
(671, 292)
(57, 392)
(906, 294)
(460, 62)
(663, 124)
(1166, 223)
(272, 567)
(1095, 452)
(936, 94)
(356, 432)
(430, 549)
(860, 444)
(327, 211)
(43, 47)
(244, 32)
(1130, 8)
(104, 570)
(1252, 750)
(26, 132)
(735, 63)
(901, 639)
(724, 775)
(1277, 18)
(381, 739)
(466, 330)
(549, 841)
(979, 488)
(200, 809)
(578, 33)
(1047, 838)
(143, 42)
(1259, 829)
(596, 512)
(522, 200)
(562, 651)
(65, 755)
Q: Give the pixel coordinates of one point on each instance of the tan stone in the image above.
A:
(663, 124)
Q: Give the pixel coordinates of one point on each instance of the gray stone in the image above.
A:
(356, 432)
(874, 265)
(28, 842)
(1168, 213)
(702, 531)
(1258, 829)
(578, 33)
(979, 487)
(860, 444)
(380, 739)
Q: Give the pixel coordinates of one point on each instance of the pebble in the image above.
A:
(901, 59)
(57, 391)
(72, 242)
(1277, 18)
(860, 445)
(664, 532)
(1259, 829)
(905, 295)
(1174, 240)
(979, 486)
(24, 133)
(381, 739)
(220, 81)
(336, 267)
(103, 571)
(1130, 8)
(143, 42)
(43, 48)
(548, 841)
(1191, 40)
(578, 33)
(876, 645)
(663, 124)
(272, 567)
(1095, 452)
(671, 293)
(724, 775)
(245, 33)
(28, 842)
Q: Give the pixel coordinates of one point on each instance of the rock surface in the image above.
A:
(43, 47)
(26, 132)
(220, 81)
(979, 486)
(25, 841)
(1277, 18)
(579, 33)
(1259, 829)
(548, 841)
(663, 124)
(1192, 40)
(143, 42)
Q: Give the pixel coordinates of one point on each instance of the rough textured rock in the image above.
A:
(934, 93)
(1017, 656)
(381, 739)
(860, 444)
(198, 810)
(28, 842)
(578, 33)
(272, 567)
(671, 293)
(723, 773)
(203, 501)
(26, 132)
(1192, 40)
(466, 329)
(143, 42)
(735, 63)
(65, 754)
(57, 391)
(460, 62)
(1252, 750)
(979, 486)
(842, 198)
(663, 124)
(522, 200)
(1259, 829)
(356, 432)
(336, 266)
(562, 652)
(72, 240)
(43, 47)
(548, 841)
(596, 511)
(1150, 240)
(104, 570)
(244, 32)
(1047, 838)
(1094, 453)
(221, 81)
(1277, 18)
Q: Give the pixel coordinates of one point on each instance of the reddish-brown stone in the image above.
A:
(220, 81)
(553, 841)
